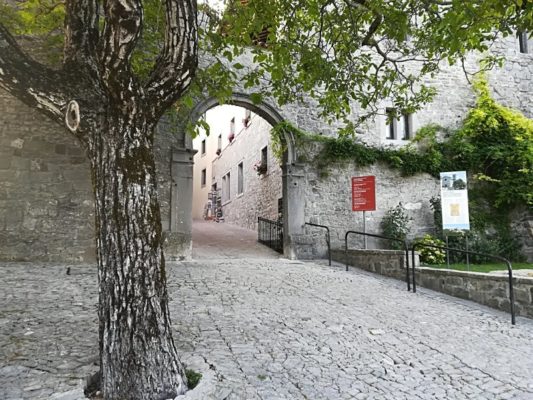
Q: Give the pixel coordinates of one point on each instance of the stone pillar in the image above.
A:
(294, 209)
(178, 243)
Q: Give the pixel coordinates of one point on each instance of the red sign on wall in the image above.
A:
(364, 193)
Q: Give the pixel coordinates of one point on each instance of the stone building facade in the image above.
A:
(46, 198)
(249, 176)
(46, 206)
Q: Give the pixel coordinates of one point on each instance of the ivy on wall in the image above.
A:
(494, 144)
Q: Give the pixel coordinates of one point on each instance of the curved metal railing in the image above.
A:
(506, 261)
(404, 242)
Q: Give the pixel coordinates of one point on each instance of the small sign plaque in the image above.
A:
(364, 193)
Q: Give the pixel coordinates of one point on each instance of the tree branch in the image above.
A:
(81, 34)
(176, 65)
(31, 82)
(123, 23)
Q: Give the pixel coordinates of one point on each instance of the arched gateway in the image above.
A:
(46, 200)
(179, 236)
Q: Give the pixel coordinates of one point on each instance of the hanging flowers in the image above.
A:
(260, 168)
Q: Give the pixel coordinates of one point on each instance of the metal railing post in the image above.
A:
(346, 249)
(506, 261)
(381, 237)
(406, 248)
(511, 291)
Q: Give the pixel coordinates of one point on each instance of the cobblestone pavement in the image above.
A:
(273, 329)
(224, 240)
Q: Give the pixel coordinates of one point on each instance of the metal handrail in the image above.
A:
(404, 242)
(506, 261)
(328, 238)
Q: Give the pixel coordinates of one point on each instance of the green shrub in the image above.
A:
(395, 224)
(431, 255)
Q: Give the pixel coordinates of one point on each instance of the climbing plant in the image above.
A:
(494, 144)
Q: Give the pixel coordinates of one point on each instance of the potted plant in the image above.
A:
(260, 168)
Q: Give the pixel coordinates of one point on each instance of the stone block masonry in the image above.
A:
(489, 289)
(260, 192)
(328, 202)
(46, 198)
(46, 205)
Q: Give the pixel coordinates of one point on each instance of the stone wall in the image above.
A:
(260, 192)
(389, 263)
(489, 289)
(328, 202)
(328, 193)
(46, 199)
(46, 207)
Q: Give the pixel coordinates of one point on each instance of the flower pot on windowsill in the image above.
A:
(231, 136)
(218, 152)
(261, 170)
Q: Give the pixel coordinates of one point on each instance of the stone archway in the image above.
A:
(181, 199)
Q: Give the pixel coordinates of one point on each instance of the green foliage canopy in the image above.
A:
(340, 52)
(346, 52)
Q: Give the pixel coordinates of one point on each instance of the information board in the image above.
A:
(364, 193)
(454, 200)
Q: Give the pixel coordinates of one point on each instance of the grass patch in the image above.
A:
(482, 267)
(193, 378)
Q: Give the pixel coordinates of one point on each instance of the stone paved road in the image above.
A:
(274, 329)
(223, 240)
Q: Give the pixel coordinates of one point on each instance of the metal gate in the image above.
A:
(270, 233)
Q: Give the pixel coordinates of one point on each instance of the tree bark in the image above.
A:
(137, 353)
(113, 115)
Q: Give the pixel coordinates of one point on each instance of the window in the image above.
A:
(247, 118)
(398, 126)
(240, 178)
(226, 185)
(406, 126)
(203, 147)
(231, 135)
(204, 177)
(523, 42)
(264, 158)
(390, 123)
(219, 145)
(232, 126)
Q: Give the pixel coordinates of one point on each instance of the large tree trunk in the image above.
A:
(137, 354)
(113, 114)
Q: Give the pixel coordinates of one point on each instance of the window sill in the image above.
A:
(397, 141)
